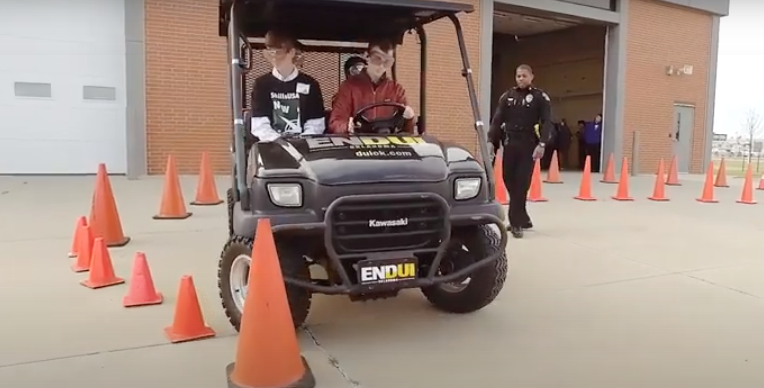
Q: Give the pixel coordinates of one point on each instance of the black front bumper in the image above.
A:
(481, 214)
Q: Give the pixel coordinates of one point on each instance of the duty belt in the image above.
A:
(517, 135)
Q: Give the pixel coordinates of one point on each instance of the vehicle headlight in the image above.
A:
(285, 194)
(466, 188)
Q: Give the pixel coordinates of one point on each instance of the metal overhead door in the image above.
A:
(62, 86)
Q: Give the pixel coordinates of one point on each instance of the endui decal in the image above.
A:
(388, 273)
(358, 142)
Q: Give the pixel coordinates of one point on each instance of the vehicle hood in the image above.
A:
(339, 160)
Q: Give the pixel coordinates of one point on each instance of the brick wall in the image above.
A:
(188, 109)
(187, 104)
(660, 35)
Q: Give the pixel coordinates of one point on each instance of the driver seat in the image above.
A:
(249, 138)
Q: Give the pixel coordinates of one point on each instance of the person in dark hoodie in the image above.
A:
(581, 154)
(285, 100)
(353, 66)
(593, 141)
(562, 144)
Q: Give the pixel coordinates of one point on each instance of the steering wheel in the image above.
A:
(383, 126)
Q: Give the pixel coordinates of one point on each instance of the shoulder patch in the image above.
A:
(546, 96)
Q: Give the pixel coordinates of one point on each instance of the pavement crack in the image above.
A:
(141, 234)
(722, 286)
(97, 353)
(332, 360)
(627, 280)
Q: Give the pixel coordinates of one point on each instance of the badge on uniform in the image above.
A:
(303, 88)
(529, 98)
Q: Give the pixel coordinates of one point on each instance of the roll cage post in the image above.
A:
(240, 191)
(479, 126)
(237, 68)
(422, 78)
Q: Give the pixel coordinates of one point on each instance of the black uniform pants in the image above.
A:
(518, 169)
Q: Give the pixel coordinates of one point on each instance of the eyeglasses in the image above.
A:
(356, 69)
(270, 52)
(379, 58)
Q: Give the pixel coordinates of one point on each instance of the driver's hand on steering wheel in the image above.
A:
(408, 114)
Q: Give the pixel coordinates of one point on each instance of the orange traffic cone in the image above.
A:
(84, 250)
(622, 193)
(553, 174)
(498, 177)
(188, 322)
(104, 217)
(172, 207)
(101, 270)
(609, 175)
(672, 179)
(746, 197)
(761, 183)
(585, 190)
(708, 186)
(142, 291)
(659, 190)
(534, 193)
(82, 221)
(206, 191)
(267, 353)
(721, 175)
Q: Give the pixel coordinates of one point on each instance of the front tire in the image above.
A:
(231, 279)
(484, 285)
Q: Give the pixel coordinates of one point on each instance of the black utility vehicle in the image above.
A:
(375, 212)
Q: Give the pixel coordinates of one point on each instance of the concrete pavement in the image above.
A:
(602, 294)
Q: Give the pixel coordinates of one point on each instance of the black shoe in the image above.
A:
(528, 225)
(517, 232)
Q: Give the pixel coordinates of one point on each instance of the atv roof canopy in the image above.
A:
(336, 20)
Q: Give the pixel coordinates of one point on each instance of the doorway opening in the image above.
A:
(568, 60)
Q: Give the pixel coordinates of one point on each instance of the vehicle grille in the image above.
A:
(379, 226)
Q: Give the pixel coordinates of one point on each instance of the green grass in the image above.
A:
(736, 167)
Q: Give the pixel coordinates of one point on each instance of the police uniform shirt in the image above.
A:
(292, 104)
(520, 110)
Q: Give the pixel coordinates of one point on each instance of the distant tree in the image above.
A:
(751, 130)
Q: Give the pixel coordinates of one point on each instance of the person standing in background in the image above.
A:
(353, 66)
(581, 143)
(593, 141)
(562, 143)
(546, 160)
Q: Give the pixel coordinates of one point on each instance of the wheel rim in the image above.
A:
(238, 280)
(456, 286)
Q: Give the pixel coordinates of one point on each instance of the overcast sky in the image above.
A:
(740, 80)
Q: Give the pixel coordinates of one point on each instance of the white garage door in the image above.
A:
(62, 86)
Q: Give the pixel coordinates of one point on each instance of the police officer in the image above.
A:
(519, 110)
